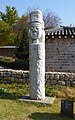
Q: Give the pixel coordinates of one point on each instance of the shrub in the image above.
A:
(14, 63)
(22, 52)
(3, 90)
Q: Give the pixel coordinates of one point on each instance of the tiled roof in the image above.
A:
(60, 32)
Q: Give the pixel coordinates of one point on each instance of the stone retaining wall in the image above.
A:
(60, 78)
(11, 76)
(52, 78)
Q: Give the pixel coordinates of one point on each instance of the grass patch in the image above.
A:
(61, 91)
(13, 109)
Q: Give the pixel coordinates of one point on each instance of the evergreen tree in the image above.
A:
(6, 34)
(22, 51)
(10, 16)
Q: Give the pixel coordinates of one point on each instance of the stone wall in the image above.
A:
(13, 76)
(60, 78)
(60, 55)
(51, 78)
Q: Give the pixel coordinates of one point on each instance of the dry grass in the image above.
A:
(61, 91)
(13, 109)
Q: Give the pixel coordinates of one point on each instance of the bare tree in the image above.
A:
(51, 20)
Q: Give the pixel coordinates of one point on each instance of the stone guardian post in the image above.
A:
(37, 56)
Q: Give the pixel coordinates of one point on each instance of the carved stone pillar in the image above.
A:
(37, 56)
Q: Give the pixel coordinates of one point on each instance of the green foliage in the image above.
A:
(19, 64)
(15, 89)
(6, 33)
(3, 90)
(10, 16)
(26, 110)
(51, 91)
(14, 63)
(14, 35)
(23, 50)
(6, 59)
(19, 26)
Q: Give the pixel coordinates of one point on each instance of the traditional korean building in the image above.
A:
(7, 51)
(60, 49)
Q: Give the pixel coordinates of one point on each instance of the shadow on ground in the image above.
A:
(47, 116)
(9, 96)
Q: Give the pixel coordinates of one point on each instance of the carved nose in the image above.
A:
(35, 30)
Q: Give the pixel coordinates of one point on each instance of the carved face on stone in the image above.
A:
(36, 24)
(36, 30)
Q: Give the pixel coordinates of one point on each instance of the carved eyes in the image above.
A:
(34, 28)
(35, 16)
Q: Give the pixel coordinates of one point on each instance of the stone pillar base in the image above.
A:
(47, 100)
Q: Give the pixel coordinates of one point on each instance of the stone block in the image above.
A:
(12, 79)
(1, 73)
(1, 77)
(19, 75)
(71, 77)
(7, 81)
(53, 82)
(74, 77)
(56, 76)
(7, 73)
(6, 78)
(14, 75)
(66, 77)
(47, 76)
(47, 82)
(51, 77)
(24, 75)
(24, 81)
(61, 82)
(67, 83)
(73, 83)
(16, 79)
(61, 77)
(20, 80)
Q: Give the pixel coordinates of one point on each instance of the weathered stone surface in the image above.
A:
(56, 76)
(67, 83)
(53, 82)
(71, 77)
(9, 76)
(66, 77)
(51, 76)
(47, 76)
(61, 82)
(1, 73)
(61, 77)
(25, 77)
(74, 77)
(37, 56)
(12, 79)
(48, 82)
(73, 83)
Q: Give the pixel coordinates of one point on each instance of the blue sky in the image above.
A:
(65, 9)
